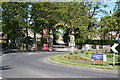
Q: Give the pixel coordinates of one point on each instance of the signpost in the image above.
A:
(99, 57)
(72, 42)
(116, 49)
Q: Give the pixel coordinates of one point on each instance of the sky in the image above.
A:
(108, 9)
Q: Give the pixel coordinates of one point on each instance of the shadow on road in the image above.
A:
(5, 67)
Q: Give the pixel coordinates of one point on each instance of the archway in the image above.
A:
(58, 32)
(53, 35)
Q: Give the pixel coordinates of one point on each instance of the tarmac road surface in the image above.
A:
(35, 65)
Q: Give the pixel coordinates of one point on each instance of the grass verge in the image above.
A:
(60, 58)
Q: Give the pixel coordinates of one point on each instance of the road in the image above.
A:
(35, 65)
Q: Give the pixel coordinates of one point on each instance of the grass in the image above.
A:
(60, 58)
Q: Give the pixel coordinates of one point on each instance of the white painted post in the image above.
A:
(72, 49)
(104, 59)
(94, 62)
(72, 41)
(113, 59)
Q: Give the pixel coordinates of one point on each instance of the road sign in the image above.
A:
(71, 43)
(98, 57)
(119, 38)
(116, 48)
(72, 38)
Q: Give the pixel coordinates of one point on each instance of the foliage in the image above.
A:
(109, 23)
(71, 53)
(66, 37)
(98, 42)
(44, 15)
(14, 16)
(117, 9)
(101, 42)
(76, 16)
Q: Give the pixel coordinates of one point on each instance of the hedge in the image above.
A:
(99, 42)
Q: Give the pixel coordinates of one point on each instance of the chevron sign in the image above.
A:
(116, 48)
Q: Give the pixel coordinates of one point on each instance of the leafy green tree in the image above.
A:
(14, 19)
(94, 8)
(80, 17)
(117, 9)
(117, 14)
(75, 16)
(109, 23)
(44, 14)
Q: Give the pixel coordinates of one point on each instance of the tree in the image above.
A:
(109, 23)
(117, 9)
(117, 14)
(94, 8)
(75, 16)
(80, 15)
(14, 19)
(44, 14)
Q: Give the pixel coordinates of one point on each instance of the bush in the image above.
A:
(98, 42)
(86, 53)
(82, 51)
(102, 42)
(71, 53)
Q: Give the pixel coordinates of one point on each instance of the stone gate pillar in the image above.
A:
(45, 39)
(51, 40)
